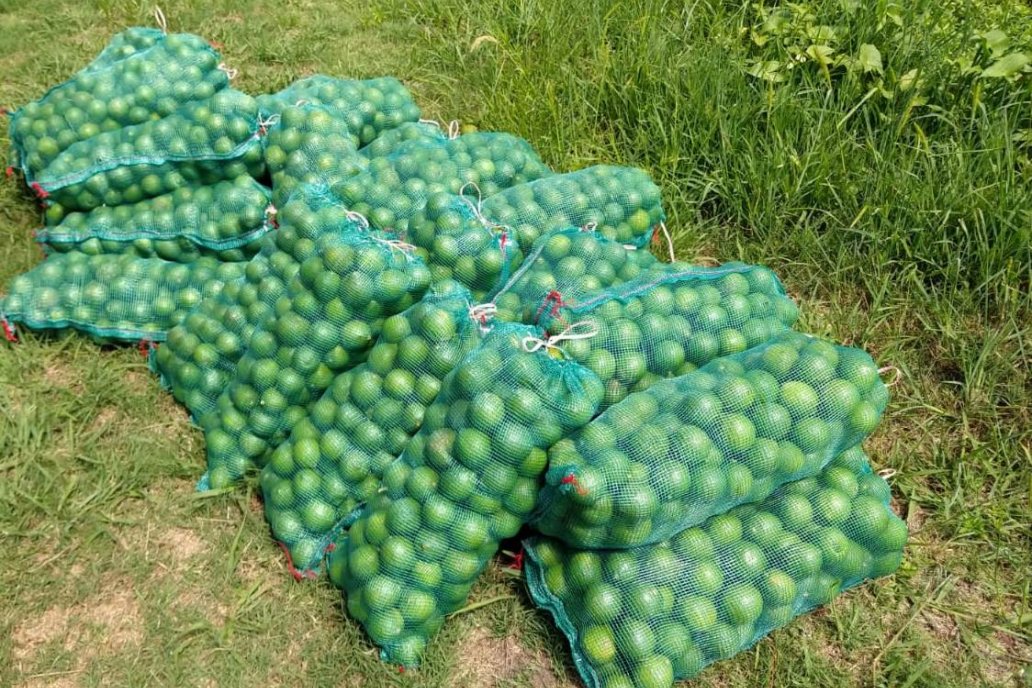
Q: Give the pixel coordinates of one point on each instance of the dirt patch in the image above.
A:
(51, 681)
(106, 417)
(486, 661)
(181, 544)
(59, 375)
(32, 634)
(137, 381)
(103, 624)
(118, 614)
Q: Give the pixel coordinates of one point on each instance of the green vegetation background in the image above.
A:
(876, 155)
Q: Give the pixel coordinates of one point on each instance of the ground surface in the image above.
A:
(896, 205)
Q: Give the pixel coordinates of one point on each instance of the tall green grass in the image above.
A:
(871, 152)
(912, 171)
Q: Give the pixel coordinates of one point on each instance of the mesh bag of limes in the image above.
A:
(426, 341)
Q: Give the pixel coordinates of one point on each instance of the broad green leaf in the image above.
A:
(996, 41)
(1007, 66)
(870, 58)
(907, 81)
(821, 53)
(768, 70)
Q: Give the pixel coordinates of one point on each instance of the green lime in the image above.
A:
(635, 638)
(842, 479)
(813, 435)
(893, 537)
(318, 516)
(724, 529)
(772, 420)
(831, 507)
(696, 611)
(363, 563)
(486, 411)
(794, 510)
(417, 607)
(778, 588)
(654, 672)
(583, 570)
(602, 602)
(473, 449)
(397, 555)
(598, 645)
(799, 398)
(864, 419)
(383, 624)
(741, 604)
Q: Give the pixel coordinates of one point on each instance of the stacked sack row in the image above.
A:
(425, 341)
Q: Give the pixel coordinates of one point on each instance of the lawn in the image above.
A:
(876, 155)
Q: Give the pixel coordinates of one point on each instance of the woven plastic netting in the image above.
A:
(690, 447)
(396, 186)
(459, 244)
(307, 144)
(365, 108)
(668, 321)
(202, 142)
(141, 75)
(226, 220)
(566, 266)
(335, 457)
(112, 297)
(349, 280)
(622, 203)
(648, 616)
(390, 140)
(467, 479)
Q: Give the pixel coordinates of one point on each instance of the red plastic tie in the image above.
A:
(330, 547)
(556, 299)
(401, 670)
(146, 346)
(504, 239)
(40, 191)
(9, 171)
(517, 561)
(3, 111)
(572, 480)
(9, 334)
(290, 562)
(215, 44)
(655, 235)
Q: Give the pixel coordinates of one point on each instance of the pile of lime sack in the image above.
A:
(425, 342)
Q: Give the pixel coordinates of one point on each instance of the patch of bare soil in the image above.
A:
(105, 624)
(486, 662)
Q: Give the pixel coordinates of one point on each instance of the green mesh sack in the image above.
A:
(390, 141)
(457, 243)
(366, 108)
(112, 297)
(226, 220)
(644, 617)
(466, 480)
(202, 142)
(309, 144)
(623, 203)
(123, 45)
(349, 281)
(565, 266)
(201, 354)
(143, 74)
(690, 447)
(669, 321)
(335, 457)
(397, 186)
